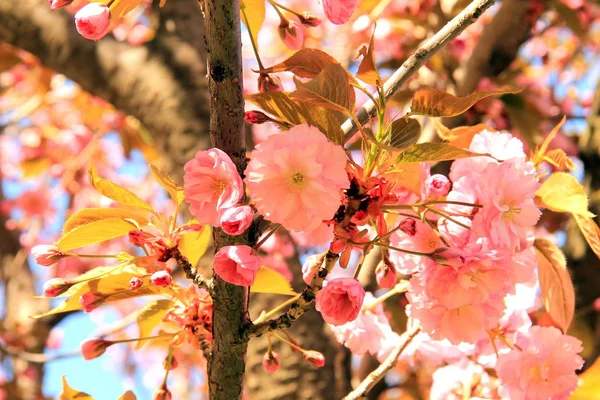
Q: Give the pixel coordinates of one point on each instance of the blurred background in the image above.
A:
(140, 96)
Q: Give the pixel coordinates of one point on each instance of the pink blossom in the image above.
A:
(90, 301)
(46, 255)
(413, 235)
(92, 21)
(135, 283)
(506, 192)
(278, 244)
(237, 265)
(314, 357)
(211, 185)
(161, 278)
(271, 362)
(463, 379)
(385, 274)
(543, 368)
(295, 178)
(339, 11)
(93, 348)
(292, 34)
(55, 287)
(54, 4)
(340, 300)
(237, 219)
(368, 332)
(438, 185)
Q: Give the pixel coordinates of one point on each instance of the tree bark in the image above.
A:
(227, 364)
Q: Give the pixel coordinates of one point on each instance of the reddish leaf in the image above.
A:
(330, 89)
(305, 63)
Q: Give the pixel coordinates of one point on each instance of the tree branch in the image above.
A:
(389, 363)
(451, 30)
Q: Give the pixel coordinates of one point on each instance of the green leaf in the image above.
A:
(284, 108)
(116, 192)
(253, 16)
(558, 294)
(403, 132)
(193, 245)
(87, 215)
(68, 393)
(437, 103)
(150, 316)
(562, 193)
(330, 89)
(433, 152)
(306, 63)
(268, 280)
(94, 232)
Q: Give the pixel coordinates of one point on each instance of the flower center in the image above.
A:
(219, 186)
(510, 214)
(297, 178)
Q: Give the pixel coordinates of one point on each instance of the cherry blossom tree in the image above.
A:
(387, 181)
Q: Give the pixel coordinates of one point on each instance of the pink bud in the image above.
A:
(237, 264)
(161, 278)
(92, 21)
(385, 274)
(269, 83)
(409, 226)
(93, 348)
(596, 305)
(46, 255)
(340, 301)
(311, 267)
(237, 219)
(291, 34)
(256, 117)
(271, 362)
(135, 282)
(55, 287)
(138, 238)
(339, 11)
(162, 394)
(91, 300)
(54, 4)
(438, 185)
(316, 358)
(170, 365)
(309, 19)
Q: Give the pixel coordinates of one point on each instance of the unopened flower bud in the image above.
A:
(256, 117)
(46, 255)
(438, 185)
(309, 19)
(93, 348)
(92, 21)
(291, 34)
(135, 282)
(269, 83)
(409, 226)
(91, 300)
(55, 287)
(161, 278)
(170, 265)
(596, 305)
(54, 4)
(271, 362)
(162, 394)
(311, 267)
(385, 273)
(317, 359)
(170, 365)
(235, 220)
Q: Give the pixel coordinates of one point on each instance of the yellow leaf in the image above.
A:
(367, 70)
(115, 286)
(330, 89)
(87, 215)
(166, 182)
(306, 63)
(116, 192)
(253, 16)
(69, 393)
(281, 105)
(560, 160)
(89, 275)
(35, 166)
(119, 8)
(193, 245)
(271, 281)
(589, 384)
(461, 136)
(150, 316)
(433, 152)
(94, 232)
(562, 193)
(558, 295)
(403, 132)
(128, 395)
(539, 154)
(590, 231)
(437, 103)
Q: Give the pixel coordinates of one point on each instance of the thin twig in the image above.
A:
(451, 30)
(190, 271)
(37, 358)
(371, 380)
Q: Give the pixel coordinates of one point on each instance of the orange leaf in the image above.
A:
(590, 231)
(330, 89)
(305, 63)
(437, 103)
(403, 132)
(558, 294)
(367, 71)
